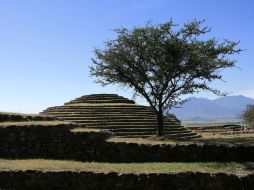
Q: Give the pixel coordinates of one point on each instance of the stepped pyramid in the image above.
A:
(118, 115)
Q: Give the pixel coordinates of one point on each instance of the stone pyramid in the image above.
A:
(118, 115)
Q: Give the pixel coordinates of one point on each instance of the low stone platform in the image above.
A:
(88, 180)
(18, 117)
(67, 142)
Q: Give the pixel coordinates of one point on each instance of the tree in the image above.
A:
(163, 62)
(248, 115)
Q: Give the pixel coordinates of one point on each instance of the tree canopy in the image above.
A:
(163, 62)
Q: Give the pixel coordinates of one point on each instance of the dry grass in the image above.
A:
(227, 140)
(79, 129)
(151, 140)
(137, 168)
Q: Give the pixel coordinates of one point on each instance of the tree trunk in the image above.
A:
(160, 122)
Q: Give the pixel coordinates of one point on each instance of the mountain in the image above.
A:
(202, 109)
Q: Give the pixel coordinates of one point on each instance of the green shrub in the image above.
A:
(247, 116)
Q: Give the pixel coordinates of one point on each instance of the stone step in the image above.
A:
(133, 130)
(124, 120)
(134, 133)
(173, 135)
(150, 128)
(94, 101)
(101, 110)
(105, 112)
(99, 113)
(180, 130)
(95, 114)
(147, 136)
(136, 136)
(105, 117)
(101, 99)
(105, 105)
(96, 124)
(128, 126)
(100, 95)
(98, 109)
(100, 106)
(108, 117)
(114, 120)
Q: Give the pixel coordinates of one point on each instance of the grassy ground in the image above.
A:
(79, 129)
(240, 140)
(137, 168)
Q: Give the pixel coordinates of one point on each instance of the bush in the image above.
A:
(247, 116)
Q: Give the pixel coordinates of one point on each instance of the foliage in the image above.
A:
(248, 116)
(163, 62)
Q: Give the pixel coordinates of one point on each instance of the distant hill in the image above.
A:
(221, 109)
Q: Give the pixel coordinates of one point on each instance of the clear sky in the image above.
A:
(46, 45)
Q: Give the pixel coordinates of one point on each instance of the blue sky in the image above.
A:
(46, 45)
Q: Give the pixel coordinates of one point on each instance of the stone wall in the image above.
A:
(57, 142)
(54, 141)
(39, 180)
